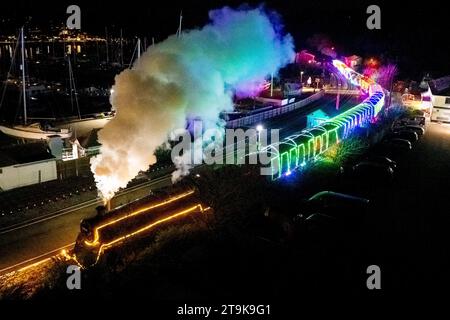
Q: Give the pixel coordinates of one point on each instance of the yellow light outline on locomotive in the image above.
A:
(96, 234)
(147, 227)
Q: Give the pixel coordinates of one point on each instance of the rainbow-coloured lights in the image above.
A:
(354, 77)
(295, 151)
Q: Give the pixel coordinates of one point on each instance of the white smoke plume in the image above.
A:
(194, 75)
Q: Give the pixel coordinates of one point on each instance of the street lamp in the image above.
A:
(271, 84)
(301, 77)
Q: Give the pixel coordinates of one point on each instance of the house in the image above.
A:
(353, 61)
(316, 118)
(305, 57)
(27, 164)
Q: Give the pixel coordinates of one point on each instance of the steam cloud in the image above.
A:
(194, 75)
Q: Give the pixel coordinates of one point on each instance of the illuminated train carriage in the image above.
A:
(359, 80)
(127, 223)
(295, 151)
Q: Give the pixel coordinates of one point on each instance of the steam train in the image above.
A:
(295, 151)
(138, 219)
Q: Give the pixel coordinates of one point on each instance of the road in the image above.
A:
(36, 240)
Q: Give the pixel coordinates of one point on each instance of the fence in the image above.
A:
(249, 120)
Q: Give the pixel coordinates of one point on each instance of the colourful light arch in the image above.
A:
(295, 151)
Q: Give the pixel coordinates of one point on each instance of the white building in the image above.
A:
(25, 165)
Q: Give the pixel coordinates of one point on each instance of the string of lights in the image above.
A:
(295, 151)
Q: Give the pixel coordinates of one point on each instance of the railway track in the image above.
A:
(43, 257)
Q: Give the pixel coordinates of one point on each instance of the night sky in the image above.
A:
(416, 36)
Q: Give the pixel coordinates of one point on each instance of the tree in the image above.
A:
(347, 149)
(163, 154)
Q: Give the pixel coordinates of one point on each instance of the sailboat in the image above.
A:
(33, 131)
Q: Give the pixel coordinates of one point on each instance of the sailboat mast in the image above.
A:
(73, 88)
(107, 45)
(139, 47)
(24, 87)
(121, 48)
(179, 25)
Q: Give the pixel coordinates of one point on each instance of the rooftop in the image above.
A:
(24, 153)
(440, 87)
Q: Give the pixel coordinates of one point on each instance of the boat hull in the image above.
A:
(83, 127)
(30, 133)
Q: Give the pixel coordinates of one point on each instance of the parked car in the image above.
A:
(333, 204)
(382, 160)
(396, 144)
(329, 201)
(416, 128)
(393, 148)
(328, 210)
(414, 120)
(417, 120)
(409, 135)
(372, 171)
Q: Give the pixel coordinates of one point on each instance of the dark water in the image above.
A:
(52, 105)
(45, 64)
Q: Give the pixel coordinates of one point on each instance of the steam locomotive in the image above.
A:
(137, 219)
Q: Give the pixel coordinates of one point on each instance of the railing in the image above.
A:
(252, 119)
